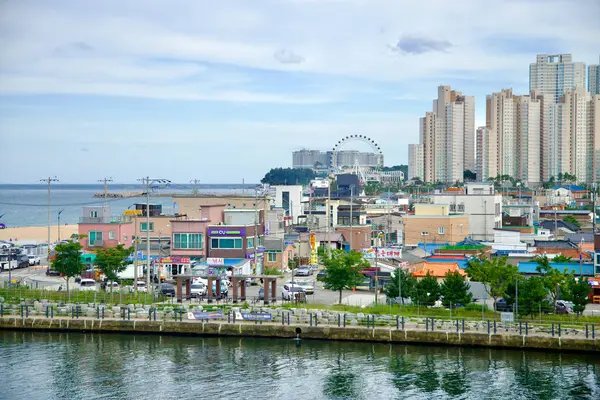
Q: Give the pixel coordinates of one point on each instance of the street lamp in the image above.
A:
(60, 212)
(160, 236)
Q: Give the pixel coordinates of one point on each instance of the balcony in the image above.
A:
(115, 219)
(96, 243)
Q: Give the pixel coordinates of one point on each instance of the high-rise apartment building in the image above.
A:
(554, 74)
(415, 161)
(447, 137)
(483, 147)
(316, 159)
(594, 78)
(510, 143)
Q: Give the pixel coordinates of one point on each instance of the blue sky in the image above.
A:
(223, 91)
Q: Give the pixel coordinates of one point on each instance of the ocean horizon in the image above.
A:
(27, 204)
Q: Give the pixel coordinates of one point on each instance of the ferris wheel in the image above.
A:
(366, 171)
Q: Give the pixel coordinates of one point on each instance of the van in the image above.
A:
(87, 284)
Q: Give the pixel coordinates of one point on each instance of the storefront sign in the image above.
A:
(507, 317)
(227, 232)
(259, 254)
(216, 271)
(174, 260)
(382, 252)
(205, 315)
(132, 212)
(256, 316)
(215, 261)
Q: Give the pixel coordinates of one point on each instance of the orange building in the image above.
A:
(437, 270)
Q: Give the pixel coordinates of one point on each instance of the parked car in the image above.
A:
(5, 245)
(51, 272)
(289, 292)
(306, 285)
(141, 286)
(112, 287)
(563, 307)
(166, 289)
(502, 306)
(224, 288)
(303, 271)
(87, 284)
(34, 260)
(198, 290)
(261, 293)
(321, 275)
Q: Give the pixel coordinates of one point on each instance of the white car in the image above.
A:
(34, 260)
(112, 287)
(87, 284)
(141, 286)
(289, 292)
(308, 287)
(5, 245)
(198, 290)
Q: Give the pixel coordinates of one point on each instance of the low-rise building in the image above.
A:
(480, 203)
(278, 253)
(102, 229)
(237, 241)
(434, 269)
(434, 224)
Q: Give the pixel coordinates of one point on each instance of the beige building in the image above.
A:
(191, 206)
(447, 137)
(415, 161)
(434, 224)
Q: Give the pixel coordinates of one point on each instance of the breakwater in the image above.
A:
(389, 334)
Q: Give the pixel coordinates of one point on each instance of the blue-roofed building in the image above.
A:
(462, 261)
(530, 268)
(431, 247)
(572, 188)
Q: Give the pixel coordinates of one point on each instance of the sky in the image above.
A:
(222, 91)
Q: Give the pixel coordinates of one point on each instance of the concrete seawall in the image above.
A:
(271, 330)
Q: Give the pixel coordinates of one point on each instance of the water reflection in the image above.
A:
(90, 366)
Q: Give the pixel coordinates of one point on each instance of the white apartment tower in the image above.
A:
(447, 137)
(594, 78)
(551, 76)
(483, 148)
(510, 142)
(415, 161)
(554, 74)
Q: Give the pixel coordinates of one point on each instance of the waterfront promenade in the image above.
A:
(309, 324)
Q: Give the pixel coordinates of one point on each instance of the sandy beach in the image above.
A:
(38, 234)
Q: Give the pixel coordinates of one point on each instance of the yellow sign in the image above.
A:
(132, 212)
(313, 241)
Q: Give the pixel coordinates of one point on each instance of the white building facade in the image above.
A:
(289, 198)
(480, 203)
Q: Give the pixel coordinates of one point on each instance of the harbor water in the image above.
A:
(39, 365)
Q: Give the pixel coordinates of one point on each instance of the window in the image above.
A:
(460, 229)
(94, 214)
(188, 241)
(111, 235)
(260, 240)
(461, 208)
(250, 241)
(272, 257)
(226, 243)
(143, 227)
(441, 230)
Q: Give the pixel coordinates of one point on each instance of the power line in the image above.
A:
(59, 205)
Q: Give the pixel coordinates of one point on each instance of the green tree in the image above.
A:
(343, 270)
(571, 220)
(496, 274)
(407, 285)
(288, 176)
(112, 260)
(580, 290)
(67, 260)
(561, 259)
(554, 280)
(455, 289)
(427, 290)
(532, 295)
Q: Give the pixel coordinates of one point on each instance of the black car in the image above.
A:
(51, 272)
(261, 293)
(321, 275)
(166, 289)
(502, 306)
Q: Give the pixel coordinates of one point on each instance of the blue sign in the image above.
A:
(256, 316)
(205, 315)
(288, 243)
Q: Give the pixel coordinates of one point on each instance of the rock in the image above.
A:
(353, 322)
(360, 316)
(116, 309)
(1, 299)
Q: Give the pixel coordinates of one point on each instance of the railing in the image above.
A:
(116, 219)
(96, 243)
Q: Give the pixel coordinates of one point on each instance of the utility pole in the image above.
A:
(256, 229)
(351, 208)
(195, 190)
(60, 212)
(48, 180)
(328, 218)
(147, 181)
(105, 182)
